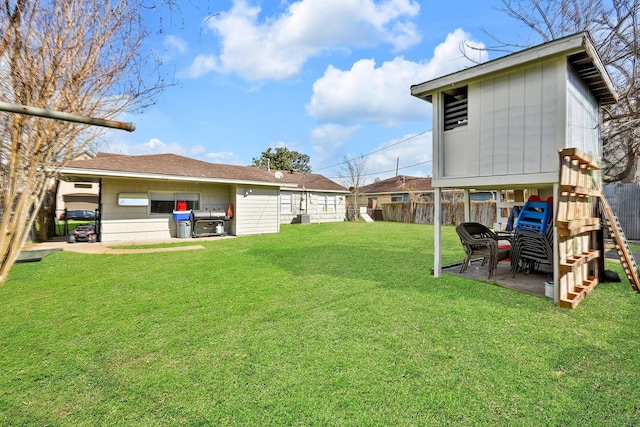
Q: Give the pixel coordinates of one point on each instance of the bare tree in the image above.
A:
(78, 56)
(352, 173)
(614, 27)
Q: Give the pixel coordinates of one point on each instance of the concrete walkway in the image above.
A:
(60, 243)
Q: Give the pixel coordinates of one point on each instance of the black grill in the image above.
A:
(208, 223)
(209, 215)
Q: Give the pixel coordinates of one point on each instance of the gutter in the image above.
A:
(133, 175)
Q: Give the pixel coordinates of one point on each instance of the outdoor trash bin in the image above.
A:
(184, 229)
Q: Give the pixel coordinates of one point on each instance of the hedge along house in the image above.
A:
(500, 125)
(138, 194)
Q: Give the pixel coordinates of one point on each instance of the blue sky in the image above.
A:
(326, 78)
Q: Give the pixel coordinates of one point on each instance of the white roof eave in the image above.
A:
(162, 177)
(564, 46)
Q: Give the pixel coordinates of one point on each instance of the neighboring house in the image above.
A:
(138, 194)
(77, 195)
(314, 199)
(404, 188)
(500, 125)
(399, 188)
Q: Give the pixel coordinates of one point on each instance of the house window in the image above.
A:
(331, 203)
(166, 203)
(285, 203)
(455, 108)
(400, 197)
(81, 185)
(326, 203)
(133, 199)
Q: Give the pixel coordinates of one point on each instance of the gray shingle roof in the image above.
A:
(168, 165)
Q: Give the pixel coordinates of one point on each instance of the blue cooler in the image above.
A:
(182, 215)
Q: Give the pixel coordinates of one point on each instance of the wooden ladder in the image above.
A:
(622, 247)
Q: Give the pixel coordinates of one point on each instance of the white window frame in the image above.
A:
(399, 197)
(326, 203)
(172, 197)
(286, 203)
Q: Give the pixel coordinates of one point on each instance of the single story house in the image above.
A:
(77, 195)
(139, 194)
(399, 188)
(501, 125)
(403, 188)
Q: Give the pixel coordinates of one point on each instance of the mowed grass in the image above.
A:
(321, 324)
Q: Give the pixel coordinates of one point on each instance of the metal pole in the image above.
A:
(41, 112)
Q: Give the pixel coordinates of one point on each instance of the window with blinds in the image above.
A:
(285, 203)
(166, 203)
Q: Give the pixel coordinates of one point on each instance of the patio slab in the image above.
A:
(532, 283)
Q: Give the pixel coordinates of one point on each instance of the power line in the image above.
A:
(376, 151)
(390, 170)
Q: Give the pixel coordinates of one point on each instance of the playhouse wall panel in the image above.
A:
(515, 125)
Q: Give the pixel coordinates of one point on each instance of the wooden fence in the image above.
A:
(452, 212)
(625, 203)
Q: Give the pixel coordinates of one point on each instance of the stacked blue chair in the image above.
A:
(536, 215)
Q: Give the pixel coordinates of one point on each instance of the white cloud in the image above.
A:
(278, 47)
(224, 157)
(175, 43)
(152, 146)
(196, 150)
(382, 94)
(327, 140)
(412, 157)
(156, 146)
(201, 65)
(410, 154)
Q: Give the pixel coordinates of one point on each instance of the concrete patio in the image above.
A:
(532, 283)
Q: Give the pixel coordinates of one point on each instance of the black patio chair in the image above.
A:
(529, 249)
(480, 242)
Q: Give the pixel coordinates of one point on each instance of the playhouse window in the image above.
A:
(455, 108)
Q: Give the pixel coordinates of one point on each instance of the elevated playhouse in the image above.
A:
(530, 121)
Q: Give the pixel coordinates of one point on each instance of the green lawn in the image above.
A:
(321, 324)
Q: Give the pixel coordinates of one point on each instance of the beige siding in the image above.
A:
(307, 202)
(533, 121)
(582, 117)
(71, 188)
(481, 118)
(516, 125)
(318, 214)
(497, 163)
(299, 205)
(129, 223)
(136, 229)
(257, 211)
(457, 161)
(363, 200)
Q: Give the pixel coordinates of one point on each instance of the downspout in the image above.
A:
(99, 216)
(306, 195)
